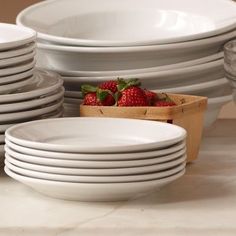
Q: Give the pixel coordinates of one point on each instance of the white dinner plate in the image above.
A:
(15, 52)
(21, 67)
(16, 60)
(73, 94)
(92, 164)
(13, 36)
(29, 104)
(16, 77)
(88, 23)
(44, 82)
(21, 115)
(93, 135)
(98, 157)
(94, 179)
(93, 191)
(13, 87)
(73, 101)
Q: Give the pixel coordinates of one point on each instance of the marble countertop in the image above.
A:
(203, 202)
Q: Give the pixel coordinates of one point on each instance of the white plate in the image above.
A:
(29, 104)
(85, 163)
(74, 76)
(91, 135)
(2, 139)
(74, 101)
(174, 78)
(95, 157)
(94, 179)
(16, 60)
(65, 58)
(45, 82)
(13, 36)
(16, 77)
(13, 87)
(22, 67)
(73, 94)
(25, 49)
(130, 22)
(93, 192)
(22, 115)
(98, 172)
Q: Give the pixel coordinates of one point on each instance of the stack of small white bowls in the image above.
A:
(95, 159)
(173, 46)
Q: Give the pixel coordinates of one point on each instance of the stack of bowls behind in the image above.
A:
(95, 159)
(170, 46)
(25, 93)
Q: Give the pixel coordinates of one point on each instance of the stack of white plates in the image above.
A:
(95, 159)
(170, 45)
(39, 99)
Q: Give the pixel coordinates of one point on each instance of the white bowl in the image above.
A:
(202, 60)
(93, 191)
(129, 22)
(162, 79)
(214, 107)
(93, 135)
(68, 58)
(13, 36)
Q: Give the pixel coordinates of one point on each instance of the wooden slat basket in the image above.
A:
(189, 114)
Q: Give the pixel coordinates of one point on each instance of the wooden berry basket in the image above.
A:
(188, 113)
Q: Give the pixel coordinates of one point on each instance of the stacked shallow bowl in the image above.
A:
(95, 159)
(171, 46)
(25, 93)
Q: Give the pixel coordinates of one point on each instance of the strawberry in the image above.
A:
(90, 99)
(109, 85)
(105, 98)
(151, 97)
(132, 96)
(163, 103)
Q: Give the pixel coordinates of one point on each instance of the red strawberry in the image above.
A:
(163, 103)
(105, 98)
(151, 97)
(132, 96)
(90, 99)
(109, 85)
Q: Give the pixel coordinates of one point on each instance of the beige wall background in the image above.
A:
(10, 8)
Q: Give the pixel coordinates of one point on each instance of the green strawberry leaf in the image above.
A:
(86, 88)
(102, 94)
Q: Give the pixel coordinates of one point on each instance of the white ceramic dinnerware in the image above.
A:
(88, 23)
(15, 52)
(93, 135)
(13, 36)
(93, 191)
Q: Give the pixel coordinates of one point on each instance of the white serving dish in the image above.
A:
(214, 107)
(71, 76)
(93, 191)
(16, 60)
(30, 114)
(34, 103)
(97, 157)
(94, 179)
(19, 68)
(13, 87)
(15, 52)
(161, 79)
(13, 36)
(44, 82)
(73, 101)
(69, 58)
(16, 77)
(58, 162)
(93, 135)
(128, 22)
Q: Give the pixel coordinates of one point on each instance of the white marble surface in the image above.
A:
(203, 202)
